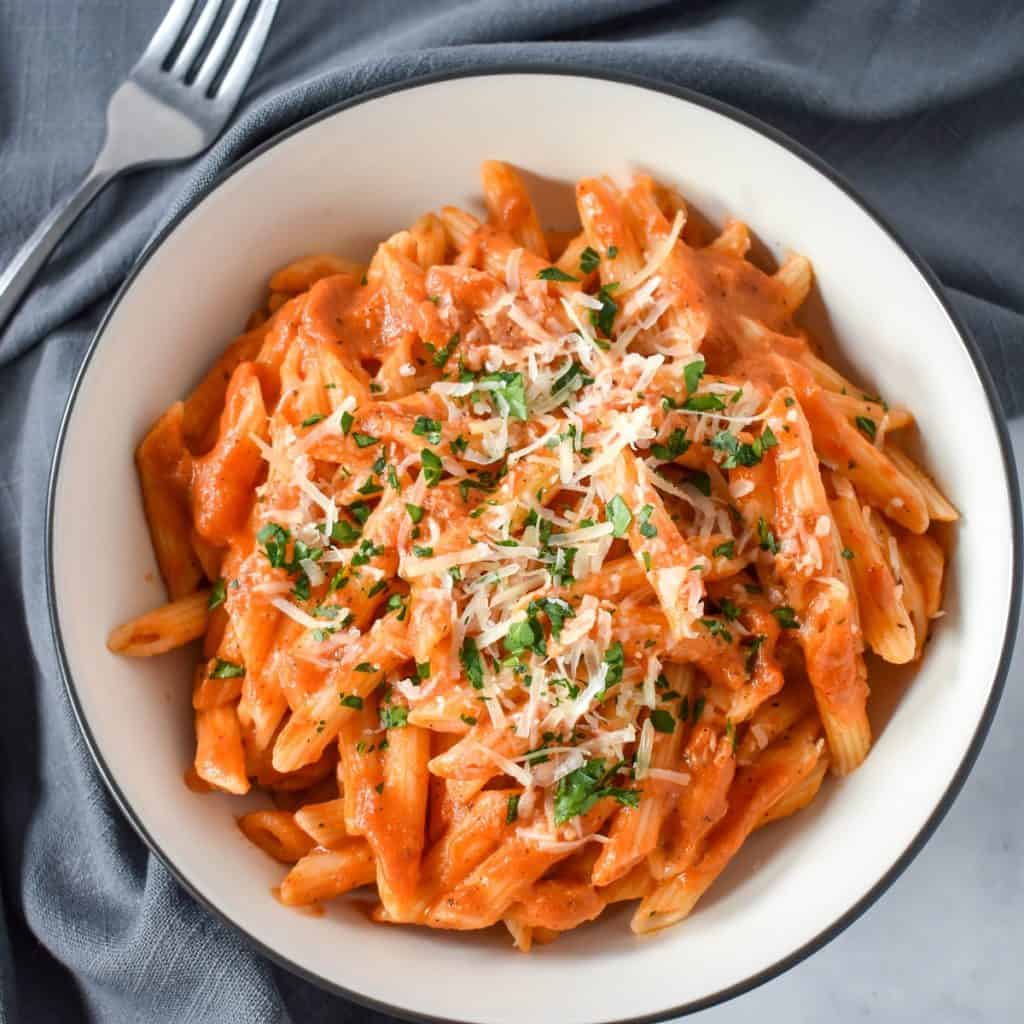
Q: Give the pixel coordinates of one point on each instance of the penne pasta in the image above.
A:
(163, 629)
(324, 822)
(534, 569)
(220, 757)
(510, 207)
(276, 834)
(326, 874)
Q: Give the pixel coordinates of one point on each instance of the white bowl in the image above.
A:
(347, 178)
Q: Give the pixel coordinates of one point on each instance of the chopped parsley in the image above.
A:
(428, 428)
(365, 440)
(394, 716)
(662, 720)
(703, 403)
(590, 260)
(345, 533)
(765, 538)
(218, 594)
(226, 670)
(867, 426)
(692, 374)
(555, 274)
(525, 635)
(359, 511)
(739, 453)
(615, 659)
(847, 553)
(310, 420)
(351, 700)
(578, 791)
(512, 810)
(644, 524)
(472, 663)
(440, 356)
(367, 551)
(727, 549)
(574, 378)
(397, 603)
(556, 610)
(367, 667)
(274, 539)
(422, 551)
(716, 628)
(604, 318)
(676, 445)
(347, 419)
(786, 617)
(618, 514)
(431, 467)
(415, 512)
(509, 398)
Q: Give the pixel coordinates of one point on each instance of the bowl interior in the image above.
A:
(342, 184)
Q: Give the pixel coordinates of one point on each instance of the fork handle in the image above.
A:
(18, 275)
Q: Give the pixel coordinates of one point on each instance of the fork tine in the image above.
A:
(196, 37)
(167, 34)
(245, 59)
(221, 45)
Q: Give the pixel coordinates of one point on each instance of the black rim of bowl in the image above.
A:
(579, 70)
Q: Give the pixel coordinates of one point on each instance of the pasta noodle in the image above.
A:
(535, 570)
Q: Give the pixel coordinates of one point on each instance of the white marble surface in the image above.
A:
(944, 944)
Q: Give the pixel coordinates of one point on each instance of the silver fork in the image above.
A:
(160, 114)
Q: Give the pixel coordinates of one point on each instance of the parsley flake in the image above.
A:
(577, 792)
(218, 594)
(394, 716)
(618, 514)
(867, 426)
(676, 445)
(431, 467)
(472, 663)
(512, 810)
(662, 720)
(555, 274)
(590, 260)
(428, 428)
(226, 670)
(692, 374)
(786, 617)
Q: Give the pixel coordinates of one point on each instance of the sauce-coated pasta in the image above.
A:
(536, 570)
